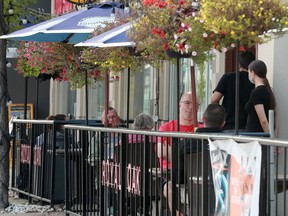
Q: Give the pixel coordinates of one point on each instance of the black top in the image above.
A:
(260, 95)
(226, 87)
(195, 145)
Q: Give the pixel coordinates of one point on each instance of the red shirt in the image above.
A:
(172, 126)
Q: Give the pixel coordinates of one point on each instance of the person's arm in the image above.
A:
(262, 117)
(93, 153)
(163, 150)
(216, 97)
(276, 124)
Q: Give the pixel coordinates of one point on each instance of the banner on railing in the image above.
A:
(236, 177)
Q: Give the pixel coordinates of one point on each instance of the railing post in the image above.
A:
(83, 168)
(271, 172)
(146, 175)
(123, 201)
(14, 154)
(174, 174)
(43, 160)
(52, 178)
(31, 180)
(205, 183)
(263, 198)
(66, 172)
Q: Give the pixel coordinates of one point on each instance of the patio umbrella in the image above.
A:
(72, 28)
(116, 37)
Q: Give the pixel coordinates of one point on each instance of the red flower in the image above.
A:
(154, 31)
(162, 34)
(161, 4)
(181, 2)
(166, 46)
(181, 46)
(180, 30)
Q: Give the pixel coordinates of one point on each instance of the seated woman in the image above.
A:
(139, 156)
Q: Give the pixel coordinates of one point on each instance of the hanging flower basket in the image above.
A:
(58, 61)
(247, 21)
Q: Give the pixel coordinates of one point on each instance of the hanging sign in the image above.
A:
(236, 177)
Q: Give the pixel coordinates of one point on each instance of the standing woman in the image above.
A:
(261, 99)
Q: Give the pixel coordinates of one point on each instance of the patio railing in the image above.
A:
(128, 179)
(37, 172)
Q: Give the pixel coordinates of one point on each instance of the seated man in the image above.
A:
(214, 120)
(113, 121)
(186, 120)
(185, 125)
(103, 144)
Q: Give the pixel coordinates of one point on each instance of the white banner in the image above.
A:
(236, 177)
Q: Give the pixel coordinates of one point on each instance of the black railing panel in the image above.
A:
(118, 170)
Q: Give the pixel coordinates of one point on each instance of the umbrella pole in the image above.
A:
(37, 98)
(178, 93)
(237, 90)
(86, 96)
(157, 96)
(194, 100)
(128, 97)
(25, 97)
(106, 95)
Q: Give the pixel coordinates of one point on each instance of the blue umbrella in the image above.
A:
(115, 37)
(72, 28)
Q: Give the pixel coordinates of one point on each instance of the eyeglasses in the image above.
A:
(189, 103)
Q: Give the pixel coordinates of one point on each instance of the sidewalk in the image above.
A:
(34, 214)
(20, 207)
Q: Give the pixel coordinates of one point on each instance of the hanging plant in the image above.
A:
(174, 27)
(111, 58)
(247, 21)
(58, 61)
(153, 30)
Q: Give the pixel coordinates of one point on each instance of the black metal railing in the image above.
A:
(37, 172)
(130, 180)
(118, 172)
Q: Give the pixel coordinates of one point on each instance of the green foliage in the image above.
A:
(114, 59)
(153, 31)
(21, 9)
(247, 21)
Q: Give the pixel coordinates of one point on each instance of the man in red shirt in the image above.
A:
(185, 125)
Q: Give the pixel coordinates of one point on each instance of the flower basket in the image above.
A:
(172, 30)
(58, 61)
(247, 21)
